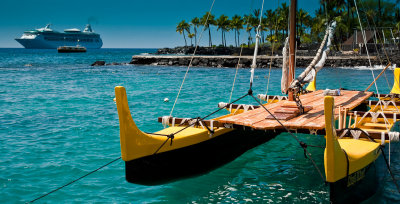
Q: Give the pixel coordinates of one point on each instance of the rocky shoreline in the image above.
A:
(229, 57)
(262, 62)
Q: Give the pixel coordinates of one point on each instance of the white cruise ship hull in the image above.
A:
(46, 38)
(40, 43)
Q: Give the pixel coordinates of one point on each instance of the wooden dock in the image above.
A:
(311, 120)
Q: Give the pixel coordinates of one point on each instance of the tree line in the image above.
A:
(274, 23)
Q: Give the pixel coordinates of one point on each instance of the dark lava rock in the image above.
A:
(99, 63)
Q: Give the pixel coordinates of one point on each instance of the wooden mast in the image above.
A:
(292, 46)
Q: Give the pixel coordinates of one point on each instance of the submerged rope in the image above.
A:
(301, 143)
(73, 181)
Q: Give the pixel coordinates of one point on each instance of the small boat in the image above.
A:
(68, 49)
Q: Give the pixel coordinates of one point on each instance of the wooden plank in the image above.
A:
(378, 125)
(314, 119)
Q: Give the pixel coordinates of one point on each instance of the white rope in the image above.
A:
(285, 67)
(326, 43)
(185, 120)
(355, 133)
(366, 48)
(237, 69)
(222, 104)
(173, 122)
(374, 117)
(165, 121)
(191, 59)
(258, 37)
(262, 97)
(265, 97)
(394, 136)
(382, 138)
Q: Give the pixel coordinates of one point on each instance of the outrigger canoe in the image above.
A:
(180, 151)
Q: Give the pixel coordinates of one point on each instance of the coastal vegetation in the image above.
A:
(382, 16)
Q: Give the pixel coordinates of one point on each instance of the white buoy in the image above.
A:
(166, 99)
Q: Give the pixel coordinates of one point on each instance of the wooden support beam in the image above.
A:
(378, 76)
(178, 121)
(361, 113)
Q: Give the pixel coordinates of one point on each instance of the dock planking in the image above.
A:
(312, 120)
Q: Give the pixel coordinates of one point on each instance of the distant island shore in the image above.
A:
(229, 57)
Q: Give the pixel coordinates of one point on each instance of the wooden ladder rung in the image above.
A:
(373, 130)
(379, 125)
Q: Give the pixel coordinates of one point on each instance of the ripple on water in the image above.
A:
(59, 121)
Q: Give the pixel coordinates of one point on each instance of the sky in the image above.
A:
(124, 23)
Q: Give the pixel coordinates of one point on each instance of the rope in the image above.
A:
(172, 135)
(73, 181)
(272, 53)
(302, 144)
(191, 59)
(390, 171)
(237, 69)
(254, 64)
(375, 42)
(366, 48)
(240, 55)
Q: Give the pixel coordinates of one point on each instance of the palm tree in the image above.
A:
(271, 23)
(248, 20)
(223, 24)
(256, 21)
(237, 24)
(206, 21)
(181, 27)
(283, 18)
(191, 35)
(303, 18)
(195, 23)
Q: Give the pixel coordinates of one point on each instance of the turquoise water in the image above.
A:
(59, 122)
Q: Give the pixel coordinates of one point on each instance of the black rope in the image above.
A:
(390, 171)
(73, 181)
(348, 165)
(322, 147)
(211, 114)
(302, 144)
(347, 134)
(171, 136)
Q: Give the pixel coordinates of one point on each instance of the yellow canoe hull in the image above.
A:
(151, 158)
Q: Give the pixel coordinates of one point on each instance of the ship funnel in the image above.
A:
(88, 28)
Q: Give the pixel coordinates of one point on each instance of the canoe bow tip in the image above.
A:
(129, 132)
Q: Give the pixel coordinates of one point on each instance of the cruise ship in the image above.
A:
(47, 38)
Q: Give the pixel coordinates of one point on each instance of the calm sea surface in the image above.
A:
(58, 121)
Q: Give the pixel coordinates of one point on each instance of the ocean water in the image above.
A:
(59, 122)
